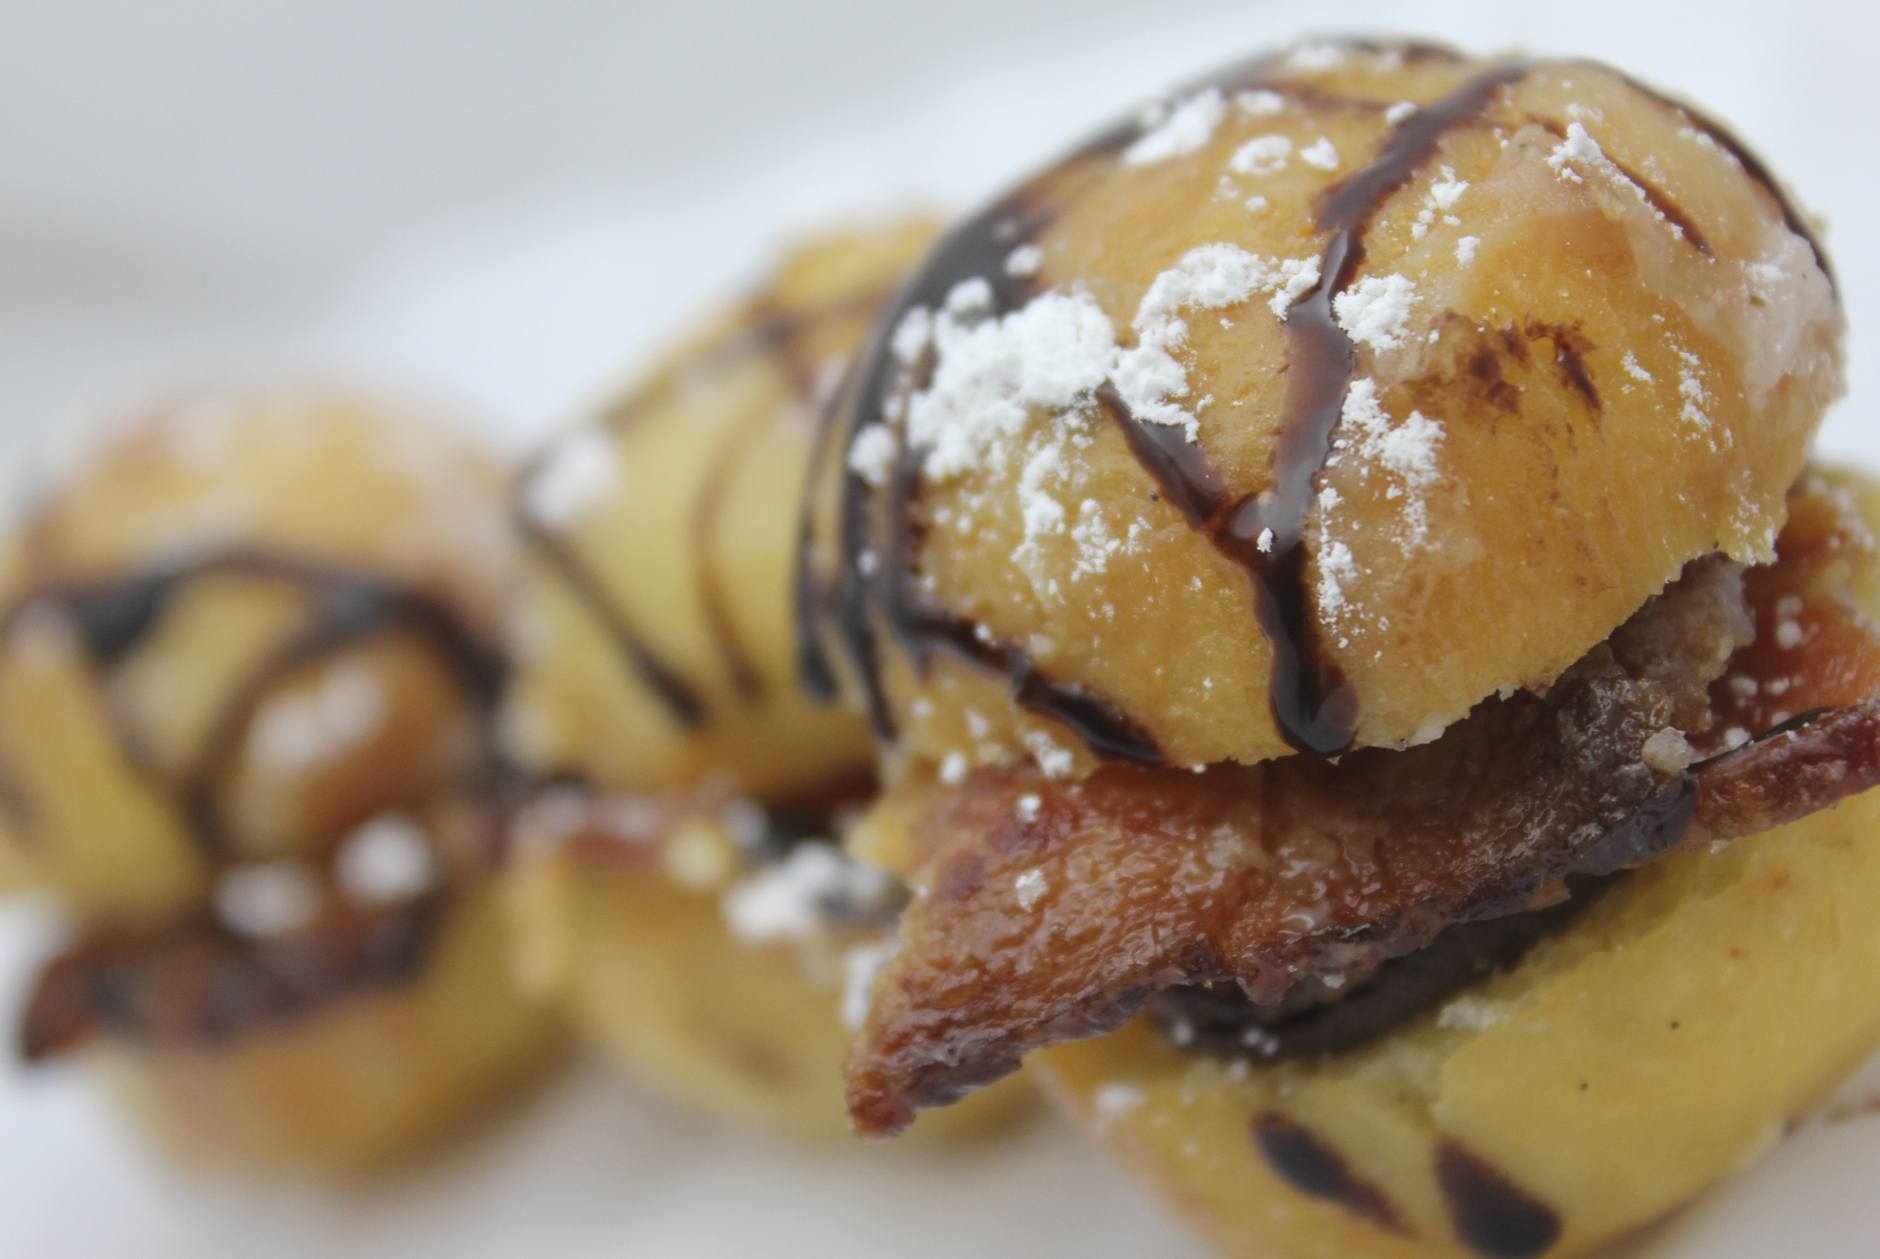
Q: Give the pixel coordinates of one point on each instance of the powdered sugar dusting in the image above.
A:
(1375, 310)
(871, 454)
(1317, 56)
(1186, 128)
(989, 372)
(580, 470)
(1024, 261)
(1323, 155)
(1260, 103)
(1262, 155)
(1208, 277)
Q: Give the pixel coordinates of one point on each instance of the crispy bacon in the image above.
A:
(1050, 910)
(195, 982)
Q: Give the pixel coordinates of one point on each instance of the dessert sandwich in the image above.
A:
(1370, 682)
(248, 667)
(677, 883)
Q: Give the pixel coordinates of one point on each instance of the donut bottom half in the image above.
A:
(1661, 1043)
(650, 975)
(372, 1080)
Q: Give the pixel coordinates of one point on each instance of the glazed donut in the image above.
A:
(248, 677)
(1301, 550)
(678, 886)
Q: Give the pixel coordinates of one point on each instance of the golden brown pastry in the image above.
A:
(1303, 549)
(247, 679)
(680, 890)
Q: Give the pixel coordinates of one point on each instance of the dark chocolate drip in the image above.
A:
(978, 249)
(812, 594)
(922, 628)
(113, 619)
(684, 703)
(1315, 709)
(1753, 167)
(1674, 213)
(1303, 1160)
(1492, 1215)
(709, 583)
(1313, 705)
(1221, 1021)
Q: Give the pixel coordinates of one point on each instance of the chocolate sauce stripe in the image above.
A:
(1752, 166)
(708, 577)
(681, 700)
(1314, 708)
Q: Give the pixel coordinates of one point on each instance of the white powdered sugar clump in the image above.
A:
(1095, 543)
(1208, 277)
(796, 897)
(1030, 888)
(1185, 128)
(1470, 1014)
(1262, 155)
(911, 336)
(1374, 310)
(1053, 761)
(1323, 155)
(1445, 192)
(871, 454)
(1579, 147)
(1691, 390)
(580, 470)
(1316, 57)
(1260, 103)
(1041, 512)
(1116, 1099)
(1024, 261)
(988, 373)
(1465, 250)
(1400, 113)
(1337, 569)
(386, 859)
(267, 899)
(1635, 370)
(300, 729)
(1407, 451)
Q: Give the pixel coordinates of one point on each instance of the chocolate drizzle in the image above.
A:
(1303, 1160)
(1314, 707)
(1752, 166)
(976, 249)
(1221, 1021)
(770, 331)
(1492, 1215)
(114, 619)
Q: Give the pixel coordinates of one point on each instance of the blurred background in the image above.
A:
(504, 207)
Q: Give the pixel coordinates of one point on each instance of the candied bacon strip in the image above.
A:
(197, 983)
(1050, 910)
